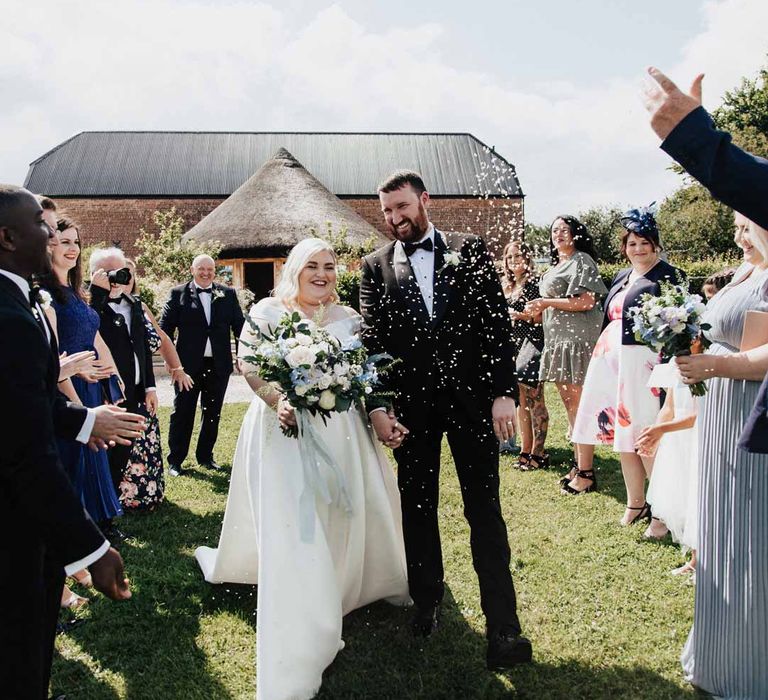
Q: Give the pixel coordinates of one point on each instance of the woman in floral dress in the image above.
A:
(616, 403)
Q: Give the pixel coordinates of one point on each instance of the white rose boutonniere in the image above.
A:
(217, 294)
(451, 259)
(44, 299)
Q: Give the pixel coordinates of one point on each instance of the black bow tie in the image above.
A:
(411, 248)
(120, 299)
(200, 290)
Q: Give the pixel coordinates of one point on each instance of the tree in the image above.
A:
(605, 228)
(164, 256)
(694, 225)
(744, 113)
(537, 237)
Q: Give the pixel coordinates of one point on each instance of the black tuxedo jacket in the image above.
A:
(122, 344)
(184, 313)
(649, 283)
(37, 500)
(464, 352)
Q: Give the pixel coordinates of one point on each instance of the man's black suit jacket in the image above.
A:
(184, 313)
(464, 352)
(37, 500)
(122, 344)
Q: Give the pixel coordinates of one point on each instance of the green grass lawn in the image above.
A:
(605, 618)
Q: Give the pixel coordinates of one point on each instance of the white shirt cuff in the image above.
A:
(378, 408)
(85, 432)
(150, 388)
(85, 562)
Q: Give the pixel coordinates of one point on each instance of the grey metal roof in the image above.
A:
(200, 164)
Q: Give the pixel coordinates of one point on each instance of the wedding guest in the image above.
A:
(735, 177)
(571, 291)
(123, 330)
(47, 531)
(76, 326)
(521, 285)
(617, 403)
(726, 651)
(143, 485)
(206, 316)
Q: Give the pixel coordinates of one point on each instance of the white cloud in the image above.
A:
(174, 64)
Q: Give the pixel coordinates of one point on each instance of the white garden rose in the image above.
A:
(301, 389)
(325, 381)
(300, 356)
(341, 370)
(304, 339)
(327, 400)
(291, 343)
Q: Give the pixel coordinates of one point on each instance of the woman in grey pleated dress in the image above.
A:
(727, 650)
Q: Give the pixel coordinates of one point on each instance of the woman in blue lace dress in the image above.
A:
(77, 329)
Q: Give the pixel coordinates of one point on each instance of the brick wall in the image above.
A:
(117, 221)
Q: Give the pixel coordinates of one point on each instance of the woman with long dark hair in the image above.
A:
(571, 291)
(521, 285)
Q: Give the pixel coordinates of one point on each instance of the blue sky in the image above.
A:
(553, 85)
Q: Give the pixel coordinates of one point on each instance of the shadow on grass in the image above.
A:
(217, 478)
(150, 641)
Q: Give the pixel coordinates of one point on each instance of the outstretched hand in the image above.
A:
(666, 103)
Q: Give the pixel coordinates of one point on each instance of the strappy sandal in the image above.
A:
(644, 513)
(648, 534)
(586, 474)
(534, 462)
(523, 460)
(570, 475)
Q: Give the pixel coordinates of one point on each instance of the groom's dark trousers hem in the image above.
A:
(475, 451)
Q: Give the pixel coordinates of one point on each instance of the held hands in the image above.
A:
(666, 103)
(504, 413)
(109, 576)
(697, 368)
(648, 441)
(388, 429)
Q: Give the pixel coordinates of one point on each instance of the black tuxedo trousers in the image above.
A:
(210, 387)
(475, 451)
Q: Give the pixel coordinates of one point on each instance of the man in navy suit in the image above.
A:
(733, 176)
(206, 315)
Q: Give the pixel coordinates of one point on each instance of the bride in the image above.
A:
(356, 556)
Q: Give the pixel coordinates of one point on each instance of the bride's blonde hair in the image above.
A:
(287, 289)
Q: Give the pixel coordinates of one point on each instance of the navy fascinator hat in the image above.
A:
(641, 221)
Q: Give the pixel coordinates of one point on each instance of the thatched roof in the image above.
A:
(275, 209)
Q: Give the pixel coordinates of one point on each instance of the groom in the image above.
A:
(434, 300)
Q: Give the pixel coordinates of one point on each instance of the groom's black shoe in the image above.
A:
(425, 621)
(507, 649)
(175, 470)
(210, 464)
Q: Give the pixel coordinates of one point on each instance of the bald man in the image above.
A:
(204, 314)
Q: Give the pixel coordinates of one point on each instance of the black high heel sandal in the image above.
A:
(588, 474)
(535, 462)
(571, 473)
(523, 465)
(644, 514)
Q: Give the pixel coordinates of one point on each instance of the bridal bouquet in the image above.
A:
(315, 372)
(671, 324)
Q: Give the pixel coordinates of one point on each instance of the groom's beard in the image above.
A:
(416, 231)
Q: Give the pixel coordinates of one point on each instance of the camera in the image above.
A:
(121, 276)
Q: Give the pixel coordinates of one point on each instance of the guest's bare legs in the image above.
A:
(524, 421)
(635, 470)
(583, 454)
(537, 416)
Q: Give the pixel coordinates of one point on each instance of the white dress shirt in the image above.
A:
(124, 308)
(85, 431)
(423, 266)
(206, 300)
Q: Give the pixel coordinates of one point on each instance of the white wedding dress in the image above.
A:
(305, 587)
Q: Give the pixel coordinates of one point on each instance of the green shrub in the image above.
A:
(348, 288)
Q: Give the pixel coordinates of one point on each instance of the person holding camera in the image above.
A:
(123, 330)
